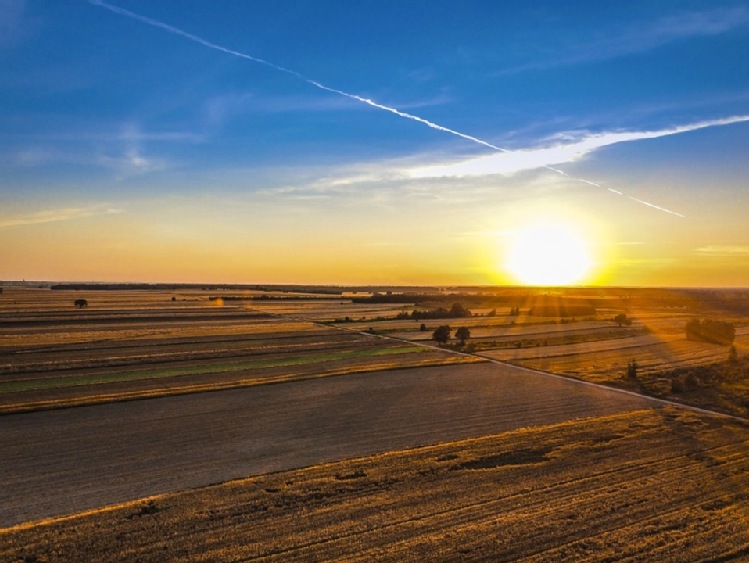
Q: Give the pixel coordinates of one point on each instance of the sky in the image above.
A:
(374, 142)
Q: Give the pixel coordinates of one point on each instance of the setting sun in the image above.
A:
(548, 254)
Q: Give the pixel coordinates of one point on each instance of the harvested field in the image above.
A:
(656, 485)
(63, 461)
(111, 351)
(526, 466)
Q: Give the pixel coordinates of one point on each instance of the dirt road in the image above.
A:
(65, 461)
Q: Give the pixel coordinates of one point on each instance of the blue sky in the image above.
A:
(137, 153)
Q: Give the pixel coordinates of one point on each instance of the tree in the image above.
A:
(80, 303)
(441, 334)
(463, 334)
(457, 310)
(423, 327)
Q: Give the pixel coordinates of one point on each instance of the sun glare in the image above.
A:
(548, 254)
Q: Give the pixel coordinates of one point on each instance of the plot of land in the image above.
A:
(656, 485)
(63, 461)
(111, 351)
(238, 384)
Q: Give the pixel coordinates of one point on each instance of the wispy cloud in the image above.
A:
(614, 43)
(511, 162)
(130, 157)
(122, 149)
(219, 109)
(128, 133)
(55, 215)
(351, 96)
(724, 250)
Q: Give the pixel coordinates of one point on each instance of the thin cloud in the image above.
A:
(220, 108)
(131, 158)
(84, 136)
(56, 215)
(647, 36)
(724, 250)
(432, 125)
(511, 162)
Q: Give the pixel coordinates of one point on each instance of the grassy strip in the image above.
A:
(137, 394)
(111, 377)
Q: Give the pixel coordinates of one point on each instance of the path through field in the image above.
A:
(65, 461)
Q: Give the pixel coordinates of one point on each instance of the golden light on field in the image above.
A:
(548, 254)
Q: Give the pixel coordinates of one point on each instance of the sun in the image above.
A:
(549, 254)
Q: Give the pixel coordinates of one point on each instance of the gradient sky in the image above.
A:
(131, 152)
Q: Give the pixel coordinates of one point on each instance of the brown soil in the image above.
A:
(664, 485)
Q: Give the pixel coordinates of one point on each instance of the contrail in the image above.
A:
(316, 84)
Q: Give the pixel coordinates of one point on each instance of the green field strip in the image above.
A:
(31, 385)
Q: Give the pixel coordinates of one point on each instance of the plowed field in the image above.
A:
(653, 485)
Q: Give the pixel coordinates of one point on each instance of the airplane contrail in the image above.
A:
(368, 101)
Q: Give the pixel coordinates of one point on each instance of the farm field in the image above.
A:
(329, 429)
(129, 345)
(595, 348)
(657, 484)
(61, 461)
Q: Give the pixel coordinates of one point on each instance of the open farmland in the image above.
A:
(656, 484)
(596, 348)
(468, 457)
(62, 461)
(128, 345)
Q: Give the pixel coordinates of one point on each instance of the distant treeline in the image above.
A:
(136, 286)
(484, 300)
(188, 286)
(117, 286)
(437, 300)
(265, 297)
(457, 311)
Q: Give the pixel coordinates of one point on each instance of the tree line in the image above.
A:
(455, 312)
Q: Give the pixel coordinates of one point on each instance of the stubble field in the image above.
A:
(552, 470)
(130, 345)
